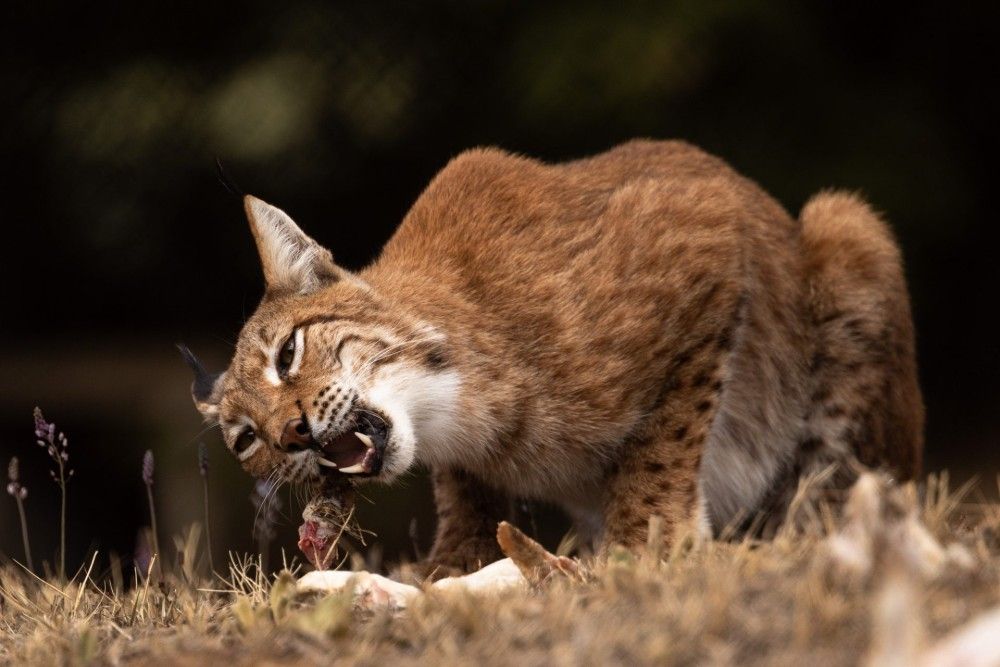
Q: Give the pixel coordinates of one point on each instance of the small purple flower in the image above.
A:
(55, 443)
(44, 431)
(41, 426)
(14, 487)
(147, 467)
(19, 492)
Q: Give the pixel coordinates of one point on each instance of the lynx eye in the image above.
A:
(244, 440)
(286, 356)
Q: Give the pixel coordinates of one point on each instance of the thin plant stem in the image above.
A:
(62, 522)
(24, 534)
(263, 549)
(208, 526)
(152, 520)
(56, 445)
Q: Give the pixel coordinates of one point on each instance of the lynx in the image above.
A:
(643, 332)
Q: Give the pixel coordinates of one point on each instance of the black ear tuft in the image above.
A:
(204, 382)
(227, 181)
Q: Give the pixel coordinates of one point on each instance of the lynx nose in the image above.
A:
(296, 436)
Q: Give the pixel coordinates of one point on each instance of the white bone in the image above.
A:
(373, 590)
(370, 590)
(494, 578)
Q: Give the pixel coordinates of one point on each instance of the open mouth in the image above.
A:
(358, 450)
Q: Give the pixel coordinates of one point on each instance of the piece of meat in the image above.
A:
(325, 520)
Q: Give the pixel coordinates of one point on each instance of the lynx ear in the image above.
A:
(206, 390)
(291, 260)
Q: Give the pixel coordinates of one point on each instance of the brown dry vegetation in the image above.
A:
(894, 577)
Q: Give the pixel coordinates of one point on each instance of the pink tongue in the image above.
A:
(345, 451)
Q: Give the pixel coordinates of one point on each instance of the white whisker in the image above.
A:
(273, 484)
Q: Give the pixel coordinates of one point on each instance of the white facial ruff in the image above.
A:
(422, 407)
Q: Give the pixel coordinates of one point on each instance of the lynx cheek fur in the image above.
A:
(641, 332)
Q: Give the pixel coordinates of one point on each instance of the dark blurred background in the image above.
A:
(118, 240)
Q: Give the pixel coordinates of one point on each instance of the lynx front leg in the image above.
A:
(468, 515)
(659, 470)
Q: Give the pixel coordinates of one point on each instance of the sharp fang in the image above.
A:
(324, 462)
(365, 439)
(354, 469)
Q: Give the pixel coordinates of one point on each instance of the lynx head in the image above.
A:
(329, 377)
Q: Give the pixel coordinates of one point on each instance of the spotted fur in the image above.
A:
(643, 332)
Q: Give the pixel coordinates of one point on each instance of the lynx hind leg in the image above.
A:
(865, 400)
(660, 469)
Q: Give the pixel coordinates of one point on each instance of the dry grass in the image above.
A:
(933, 564)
